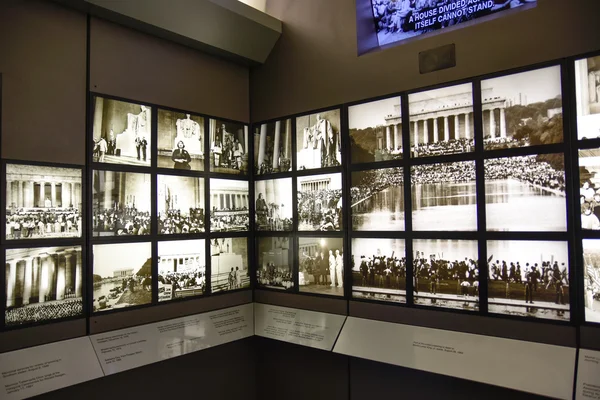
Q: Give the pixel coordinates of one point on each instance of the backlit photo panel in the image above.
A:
(375, 131)
(43, 202)
(321, 265)
(591, 279)
(274, 205)
(441, 121)
(523, 109)
(377, 200)
(275, 263)
(446, 273)
(180, 140)
(229, 264)
(444, 196)
(587, 92)
(320, 202)
(528, 278)
(319, 140)
(229, 205)
(43, 284)
(379, 269)
(121, 132)
(228, 147)
(273, 147)
(589, 188)
(180, 204)
(181, 269)
(526, 193)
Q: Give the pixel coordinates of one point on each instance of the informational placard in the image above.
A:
(526, 366)
(588, 375)
(306, 328)
(134, 347)
(36, 370)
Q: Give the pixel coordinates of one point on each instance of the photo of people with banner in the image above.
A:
(42, 202)
(379, 269)
(274, 205)
(318, 140)
(228, 147)
(273, 147)
(528, 278)
(180, 140)
(181, 269)
(180, 204)
(229, 264)
(444, 196)
(377, 200)
(275, 263)
(321, 268)
(523, 109)
(229, 205)
(320, 202)
(526, 193)
(587, 96)
(591, 279)
(121, 132)
(589, 188)
(446, 273)
(42, 284)
(122, 275)
(121, 203)
(375, 131)
(441, 121)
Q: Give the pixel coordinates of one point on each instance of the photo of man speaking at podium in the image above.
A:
(229, 264)
(180, 140)
(274, 205)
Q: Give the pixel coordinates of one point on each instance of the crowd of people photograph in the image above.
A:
(589, 189)
(451, 146)
(275, 263)
(229, 205)
(41, 224)
(320, 202)
(181, 269)
(591, 276)
(175, 222)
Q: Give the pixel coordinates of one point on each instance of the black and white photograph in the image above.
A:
(320, 202)
(321, 265)
(43, 202)
(587, 96)
(273, 147)
(591, 279)
(528, 278)
(523, 109)
(375, 131)
(181, 269)
(444, 197)
(526, 193)
(274, 205)
(122, 275)
(446, 273)
(589, 188)
(229, 203)
(180, 204)
(228, 147)
(229, 264)
(43, 284)
(121, 132)
(377, 200)
(441, 121)
(275, 263)
(121, 203)
(319, 140)
(180, 142)
(379, 269)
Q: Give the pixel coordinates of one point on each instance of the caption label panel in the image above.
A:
(588, 375)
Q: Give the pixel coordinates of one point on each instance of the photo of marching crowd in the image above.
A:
(321, 265)
(591, 279)
(229, 264)
(228, 147)
(121, 203)
(587, 95)
(375, 131)
(275, 263)
(526, 193)
(523, 109)
(441, 121)
(379, 269)
(181, 269)
(122, 275)
(377, 200)
(229, 202)
(589, 188)
(528, 278)
(180, 141)
(446, 273)
(273, 147)
(320, 202)
(274, 205)
(43, 202)
(121, 132)
(318, 140)
(180, 205)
